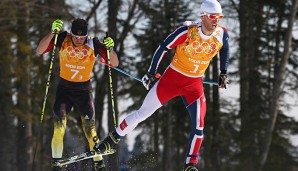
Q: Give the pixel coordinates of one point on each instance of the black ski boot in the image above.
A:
(99, 165)
(190, 167)
(54, 166)
(108, 143)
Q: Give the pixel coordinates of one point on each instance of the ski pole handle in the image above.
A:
(108, 47)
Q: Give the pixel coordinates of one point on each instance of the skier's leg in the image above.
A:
(160, 93)
(85, 106)
(57, 141)
(88, 126)
(197, 111)
(150, 104)
(61, 107)
(164, 90)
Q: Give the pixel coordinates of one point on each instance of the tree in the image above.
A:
(261, 72)
(8, 132)
(279, 75)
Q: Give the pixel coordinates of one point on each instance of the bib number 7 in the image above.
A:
(75, 73)
(196, 68)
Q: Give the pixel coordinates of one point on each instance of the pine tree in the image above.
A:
(8, 133)
(260, 79)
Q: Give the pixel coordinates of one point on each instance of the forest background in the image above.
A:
(249, 127)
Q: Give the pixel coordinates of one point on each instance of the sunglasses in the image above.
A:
(79, 37)
(212, 16)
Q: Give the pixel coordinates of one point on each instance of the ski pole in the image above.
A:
(49, 78)
(46, 95)
(102, 61)
(210, 83)
(138, 79)
(111, 83)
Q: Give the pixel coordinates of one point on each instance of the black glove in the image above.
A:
(223, 81)
(148, 80)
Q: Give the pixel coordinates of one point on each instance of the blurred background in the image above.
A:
(251, 126)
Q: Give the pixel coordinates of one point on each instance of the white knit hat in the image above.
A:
(211, 6)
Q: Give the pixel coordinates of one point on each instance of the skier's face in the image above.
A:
(78, 40)
(210, 22)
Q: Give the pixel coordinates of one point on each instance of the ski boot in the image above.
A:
(108, 143)
(190, 167)
(54, 166)
(99, 165)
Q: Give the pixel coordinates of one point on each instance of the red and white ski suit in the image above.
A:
(183, 77)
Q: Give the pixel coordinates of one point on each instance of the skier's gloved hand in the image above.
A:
(148, 80)
(223, 81)
(108, 42)
(57, 26)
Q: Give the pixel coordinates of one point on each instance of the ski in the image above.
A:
(80, 157)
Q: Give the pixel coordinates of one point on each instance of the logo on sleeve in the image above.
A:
(123, 125)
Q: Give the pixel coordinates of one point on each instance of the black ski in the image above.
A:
(80, 157)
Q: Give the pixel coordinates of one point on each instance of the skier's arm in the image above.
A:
(175, 38)
(44, 43)
(224, 53)
(109, 44)
(114, 58)
(47, 43)
(101, 49)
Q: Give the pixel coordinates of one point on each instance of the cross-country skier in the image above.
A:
(196, 44)
(77, 54)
